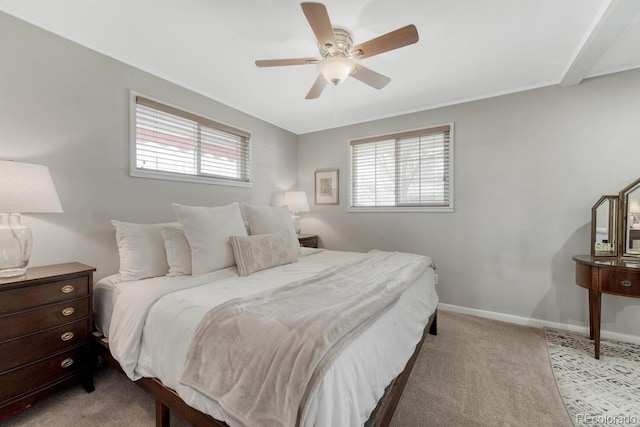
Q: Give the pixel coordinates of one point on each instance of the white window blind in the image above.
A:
(174, 144)
(404, 171)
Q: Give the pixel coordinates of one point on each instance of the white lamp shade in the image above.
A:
(296, 201)
(27, 188)
(634, 207)
(335, 68)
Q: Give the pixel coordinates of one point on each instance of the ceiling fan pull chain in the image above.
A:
(335, 102)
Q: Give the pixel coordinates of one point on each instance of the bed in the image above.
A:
(149, 327)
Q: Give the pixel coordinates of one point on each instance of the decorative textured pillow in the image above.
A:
(266, 220)
(141, 250)
(178, 251)
(208, 230)
(261, 251)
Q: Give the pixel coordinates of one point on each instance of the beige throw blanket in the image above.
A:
(260, 357)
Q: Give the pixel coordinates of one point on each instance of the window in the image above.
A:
(408, 171)
(172, 144)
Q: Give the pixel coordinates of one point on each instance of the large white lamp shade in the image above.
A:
(297, 202)
(24, 188)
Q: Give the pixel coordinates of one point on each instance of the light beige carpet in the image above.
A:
(480, 372)
(476, 372)
(602, 392)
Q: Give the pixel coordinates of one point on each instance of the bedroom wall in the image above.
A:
(67, 107)
(528, 168)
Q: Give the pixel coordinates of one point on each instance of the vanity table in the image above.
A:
(614, 264)
(615, 276)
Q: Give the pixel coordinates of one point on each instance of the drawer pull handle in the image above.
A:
(66, 336)
(66, 289)
(68, 311)
(66, 362)
(625, 283)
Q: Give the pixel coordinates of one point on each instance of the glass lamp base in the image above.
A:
(12, 272)
(296, 223)
(15, 245)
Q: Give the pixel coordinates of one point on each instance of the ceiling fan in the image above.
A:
(338, 53)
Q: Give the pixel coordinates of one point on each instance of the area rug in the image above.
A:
(603, 392)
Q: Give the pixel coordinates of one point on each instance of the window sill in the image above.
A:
(188, 178)
(398, 209)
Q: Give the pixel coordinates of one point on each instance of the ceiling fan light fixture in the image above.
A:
(338, 55)
(335, 68)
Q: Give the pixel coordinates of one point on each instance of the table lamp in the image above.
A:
(297, 202)
(24, 188)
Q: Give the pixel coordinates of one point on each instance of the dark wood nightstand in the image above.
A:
(308, 240)
(45, 329)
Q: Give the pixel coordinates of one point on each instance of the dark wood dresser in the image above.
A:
(45, 329)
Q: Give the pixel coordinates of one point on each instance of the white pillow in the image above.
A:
(178, 251)
(266, 220)
(261, 251)
(208, 230)
(141, 250)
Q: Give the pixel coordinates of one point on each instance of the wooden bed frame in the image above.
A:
(167, 400)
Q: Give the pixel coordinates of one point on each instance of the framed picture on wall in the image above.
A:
(327, 187)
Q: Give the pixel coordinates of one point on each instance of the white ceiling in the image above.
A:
(468, 49)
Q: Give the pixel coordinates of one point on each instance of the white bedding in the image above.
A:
(159, 316)
(107, 290)
(105, 293)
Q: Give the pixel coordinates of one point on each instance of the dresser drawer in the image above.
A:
(26, 322)
(40, 374)
(33, 347)
(620, 282)
(23, 298)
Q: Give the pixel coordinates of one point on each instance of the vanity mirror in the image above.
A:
(629, 200)
(615, 224)
(604, 221)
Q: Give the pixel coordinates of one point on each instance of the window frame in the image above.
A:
(134, 171)
(415, 208)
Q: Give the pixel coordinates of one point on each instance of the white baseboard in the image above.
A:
(537, 323)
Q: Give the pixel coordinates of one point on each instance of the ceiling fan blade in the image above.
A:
(370, 77)
(317, 88)
(318, 18)
(395, 39)
(281, 62)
